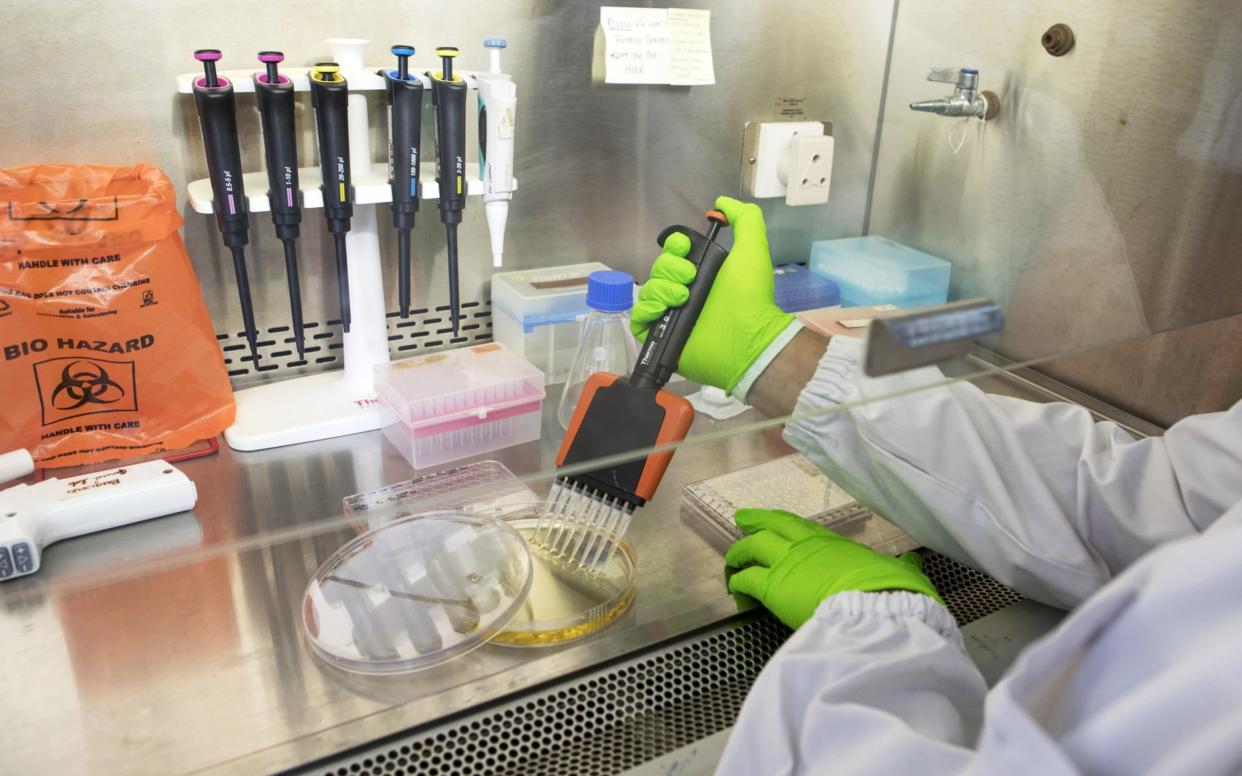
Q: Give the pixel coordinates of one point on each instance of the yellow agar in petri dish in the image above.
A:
(568, 601)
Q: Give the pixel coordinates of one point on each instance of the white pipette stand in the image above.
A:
(330, 404)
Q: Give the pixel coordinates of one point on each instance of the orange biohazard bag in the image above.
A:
(106, 348)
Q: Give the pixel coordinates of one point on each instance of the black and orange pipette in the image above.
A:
(274, 94)
(217, 118)
(588, 511)
(330, 98)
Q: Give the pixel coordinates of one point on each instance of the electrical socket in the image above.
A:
(774, 152)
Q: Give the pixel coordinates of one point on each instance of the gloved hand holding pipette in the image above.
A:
(740, 326)
(1042, 497)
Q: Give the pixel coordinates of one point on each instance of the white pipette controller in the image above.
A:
(497, 109)
(34, 516)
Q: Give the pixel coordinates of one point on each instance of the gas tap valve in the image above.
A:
(966, 99)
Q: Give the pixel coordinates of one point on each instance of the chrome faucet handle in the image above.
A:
(944, 75)
(961, 77)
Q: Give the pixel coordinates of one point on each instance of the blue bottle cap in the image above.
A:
(496, 43)
(610, 291)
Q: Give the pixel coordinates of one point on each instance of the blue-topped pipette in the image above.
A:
(405, 122)
(497, 108)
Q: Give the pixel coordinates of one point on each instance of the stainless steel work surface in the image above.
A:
(198, 662)
(175, 645)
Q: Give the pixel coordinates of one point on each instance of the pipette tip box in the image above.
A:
(874, 270)
(797, 288)
(451, 405)
(538, 314)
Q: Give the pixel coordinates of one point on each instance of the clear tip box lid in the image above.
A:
(469, 382)
(536, 297)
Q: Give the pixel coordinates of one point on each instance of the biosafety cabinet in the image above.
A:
(1075, 164)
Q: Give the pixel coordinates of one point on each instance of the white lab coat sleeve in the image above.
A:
(1140, 679)
(1040, 496)
(872, 683)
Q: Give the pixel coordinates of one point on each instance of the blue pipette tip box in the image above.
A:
(798, 289)
(875, 270)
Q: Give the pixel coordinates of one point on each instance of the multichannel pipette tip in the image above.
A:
(581, 525)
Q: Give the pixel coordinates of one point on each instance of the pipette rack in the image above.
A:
(340, 402)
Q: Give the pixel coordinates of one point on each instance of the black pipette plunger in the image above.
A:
(217, 118)
(449, 100)
(274, 96)
(405, 113)
(330, 97)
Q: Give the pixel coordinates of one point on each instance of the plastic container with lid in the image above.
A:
(798, 289)
(458, 403)
(537, 313)
(606, 344)
(874, 270)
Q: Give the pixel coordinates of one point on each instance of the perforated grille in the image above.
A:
(601, 723)
(628, 714)
(968, 594)
(425, 330)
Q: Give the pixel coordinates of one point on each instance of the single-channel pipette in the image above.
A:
(274, 95)
(217, 118)
(405, 126)
(330, 98)
(448, 98)
(497, 106)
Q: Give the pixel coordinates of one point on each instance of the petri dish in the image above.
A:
(568, 600)
(417, 592)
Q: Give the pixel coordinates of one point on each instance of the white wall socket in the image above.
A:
(791, 159)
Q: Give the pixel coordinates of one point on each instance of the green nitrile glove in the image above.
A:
(740, 318)
(793, 564)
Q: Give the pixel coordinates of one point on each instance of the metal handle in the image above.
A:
(961, 77)
(928, 336)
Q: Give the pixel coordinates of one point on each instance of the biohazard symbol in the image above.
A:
(82, 383)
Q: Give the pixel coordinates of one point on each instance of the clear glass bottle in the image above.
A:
(606, 344)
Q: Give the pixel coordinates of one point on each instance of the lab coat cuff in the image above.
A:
(765, 359)
(890, 605)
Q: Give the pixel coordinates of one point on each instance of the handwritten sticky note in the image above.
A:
(656, 46)
(690, 47)
(636, 45)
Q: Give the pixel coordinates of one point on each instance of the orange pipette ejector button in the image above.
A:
(718, 217)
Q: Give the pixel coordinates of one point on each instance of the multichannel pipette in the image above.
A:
(330, 98)
(274, 94)
(217, 118)
(497, 105)
(588, 512)
(448, 98)
(405, 126)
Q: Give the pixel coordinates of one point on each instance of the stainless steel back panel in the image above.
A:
(1101, 202)
(601, 169)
